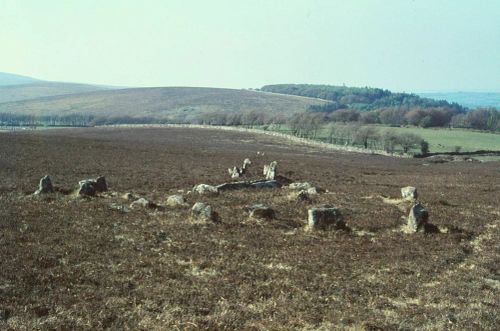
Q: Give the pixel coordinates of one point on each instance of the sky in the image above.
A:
(401, 45)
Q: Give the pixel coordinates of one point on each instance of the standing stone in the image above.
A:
(201, 212)
(235, 172)
(409, 193)
(246, 164)
(45, 186)
(260, 211)
(271, 170)
(324, 217)
(418, 217)
(86, 188)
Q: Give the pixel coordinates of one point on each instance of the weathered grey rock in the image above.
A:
(246, 185)
(260, 211)
(129, 196)
(235, 172)
(409, 193)
(205, 189)
(302, 196)
(45, 186)
(100, 184)
(270, 170)
(86, 188)
(325, 217)
(90, 187)
(118, 207)
(246, 164)
(201, 212)
(143, 203)
(300, 186)
(176, 201)
(312, 191)
(417, 219)
(265, 184)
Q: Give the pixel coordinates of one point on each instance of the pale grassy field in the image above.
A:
(439, 139)
(445, 140)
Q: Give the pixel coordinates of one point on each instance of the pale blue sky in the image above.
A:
(400, 44)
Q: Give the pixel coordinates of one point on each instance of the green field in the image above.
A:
(440, 140)
(445, 140)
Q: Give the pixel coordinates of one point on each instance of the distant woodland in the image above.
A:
(377, 106)
(344, 105)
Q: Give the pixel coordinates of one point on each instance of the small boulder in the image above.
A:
(45, 186)
(312, 191)
(302, 196)
(176, 201)
(205, 189)
(86, 188)
(118, 207)
(325, 217)
(143, 203)
(201, 212)
(300, 186)
(260, 211)
(129, 196)
(409, 193)
(100, 184)
(417, 219)
(90, 187)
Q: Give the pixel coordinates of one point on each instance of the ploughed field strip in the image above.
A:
(148, 247)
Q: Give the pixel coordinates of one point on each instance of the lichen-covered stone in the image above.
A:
(325, 217)
(409, 193)
(417, 219)
(271, 170)
(201, 212)
(143, 203)
(205, 189)
(45, 186)
(176, 201)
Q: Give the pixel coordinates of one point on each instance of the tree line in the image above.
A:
(361, 98)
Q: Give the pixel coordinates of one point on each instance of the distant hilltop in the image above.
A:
(26, 100)
(7, 79)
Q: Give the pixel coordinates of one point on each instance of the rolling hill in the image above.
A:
(360, 98)
(165, 103)
(12, 79)
(42, 89)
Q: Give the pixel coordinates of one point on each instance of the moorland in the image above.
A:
(71, 262)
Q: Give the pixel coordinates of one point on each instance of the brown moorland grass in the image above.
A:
(71, 263)
(161, 103)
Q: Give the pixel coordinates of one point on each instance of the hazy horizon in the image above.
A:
(412, 46)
